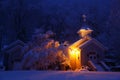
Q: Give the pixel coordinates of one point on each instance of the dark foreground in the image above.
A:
(58, 75)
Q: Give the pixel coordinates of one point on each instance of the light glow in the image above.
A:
(84, 32)
(74, 55)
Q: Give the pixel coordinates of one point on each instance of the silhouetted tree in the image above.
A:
(113, 26)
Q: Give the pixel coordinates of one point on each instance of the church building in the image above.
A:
(87, 51)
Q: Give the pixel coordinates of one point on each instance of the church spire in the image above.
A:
(84, 18)
(85, 30)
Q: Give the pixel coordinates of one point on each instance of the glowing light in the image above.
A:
(84, 32)
(75, 51)
(74, 55)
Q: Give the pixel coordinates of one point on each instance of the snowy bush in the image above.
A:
(45, 54)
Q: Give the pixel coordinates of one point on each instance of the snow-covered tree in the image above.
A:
(45, 53)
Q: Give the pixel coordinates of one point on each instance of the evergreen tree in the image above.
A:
(113, 26)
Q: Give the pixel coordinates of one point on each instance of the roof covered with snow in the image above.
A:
(93, 41)
(17, 42)
(79, 42)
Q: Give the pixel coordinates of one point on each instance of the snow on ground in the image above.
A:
(58, 75)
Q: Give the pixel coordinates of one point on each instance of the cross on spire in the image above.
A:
(84, 17)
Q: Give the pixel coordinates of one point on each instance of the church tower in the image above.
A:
(85, 31)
